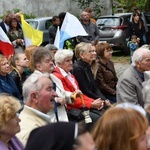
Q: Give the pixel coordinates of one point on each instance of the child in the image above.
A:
(133, 45)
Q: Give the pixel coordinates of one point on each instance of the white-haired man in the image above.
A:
(129, 87)
(38, 95)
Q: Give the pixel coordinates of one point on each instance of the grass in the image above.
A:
(121, 59)
(118, 57)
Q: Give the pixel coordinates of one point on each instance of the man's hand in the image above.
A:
(60, 100)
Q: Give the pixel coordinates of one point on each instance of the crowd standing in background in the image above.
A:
(53, 29)
(133, 45)
(15, 34)
(44, 84)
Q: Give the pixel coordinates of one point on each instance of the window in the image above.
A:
(48, 24)
(108, 22)
(33, 24)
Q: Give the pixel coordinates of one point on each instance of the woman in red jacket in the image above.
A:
(63, 61)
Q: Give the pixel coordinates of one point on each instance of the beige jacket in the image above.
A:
(30, 119)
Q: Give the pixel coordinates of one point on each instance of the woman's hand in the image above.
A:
(75, 94)
(18, 41)
(98, 104)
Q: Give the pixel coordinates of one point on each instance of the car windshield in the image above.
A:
(34, 24)
(108, 22)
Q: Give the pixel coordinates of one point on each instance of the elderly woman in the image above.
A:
(85, 54)
(7, 84)
(63, 60)
(121, 129)
(52, 48)
(9, 123)
(106, 75)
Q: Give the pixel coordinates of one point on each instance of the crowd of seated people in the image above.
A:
(44, 84)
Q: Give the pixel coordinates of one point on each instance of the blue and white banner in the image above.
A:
(70, 28)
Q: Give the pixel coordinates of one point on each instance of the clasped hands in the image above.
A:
(99, 103)
(20, 41)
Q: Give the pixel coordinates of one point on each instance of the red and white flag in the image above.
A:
(6, 46)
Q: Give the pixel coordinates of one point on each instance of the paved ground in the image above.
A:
(120, 68)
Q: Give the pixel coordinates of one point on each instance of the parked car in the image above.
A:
(115, 29)
(146, 20)
(42, 24)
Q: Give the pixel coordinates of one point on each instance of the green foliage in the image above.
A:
(16, 10)
(128, 5)
(147, 6)
(93, 4)
(83, 3)
(26, 16)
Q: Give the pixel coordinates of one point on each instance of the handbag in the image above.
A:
(80, 114)
(75, 114)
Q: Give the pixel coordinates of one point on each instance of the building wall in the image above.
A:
(45, 7)
(39, 7)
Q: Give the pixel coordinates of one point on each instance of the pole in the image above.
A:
(112, 5)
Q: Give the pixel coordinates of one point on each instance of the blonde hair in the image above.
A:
(115, 131)
(81, 48)
(9, 106)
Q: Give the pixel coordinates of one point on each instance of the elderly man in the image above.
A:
(91, 29)
(42, 61)
(129, 87)
(39, 97)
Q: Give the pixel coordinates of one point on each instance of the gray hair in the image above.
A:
(61, 55)
(146, 46)
(138, 55)
(39, 55)
(51, 47)
(32, 84)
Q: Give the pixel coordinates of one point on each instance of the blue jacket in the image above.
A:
(7, 85)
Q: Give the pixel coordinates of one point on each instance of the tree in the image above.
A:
(94, 4)
(128, 5)
(147, 6)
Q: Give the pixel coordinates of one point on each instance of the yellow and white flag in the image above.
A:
(31, 35)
